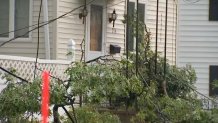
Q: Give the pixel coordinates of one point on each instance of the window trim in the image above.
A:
(209, 14)
(102, 29)
(211, 91)
(11, 23)
(104, 26)
(145, 20)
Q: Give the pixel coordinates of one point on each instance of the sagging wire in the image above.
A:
(155, 105)
(191, 1)
(50, 21)
(69, 97)
(44, 22)
(21, 28)
(14, 75)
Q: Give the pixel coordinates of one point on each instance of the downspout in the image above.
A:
(46, 29)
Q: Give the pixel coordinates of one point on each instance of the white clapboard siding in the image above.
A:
(151, 24)
(71, 27)
(28, 47)
(197, 41)
(116, 37)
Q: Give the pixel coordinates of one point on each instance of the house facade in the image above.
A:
(93, 34)
(198, 41)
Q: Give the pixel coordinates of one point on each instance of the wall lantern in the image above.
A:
(83, 14)
(113, 17)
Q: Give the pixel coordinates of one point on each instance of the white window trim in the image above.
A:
(145, 19)
(11, 23)
(104, 28)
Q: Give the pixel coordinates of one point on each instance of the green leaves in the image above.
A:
(90, 115)
(16, 99)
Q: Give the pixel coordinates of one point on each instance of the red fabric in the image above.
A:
(45, 97)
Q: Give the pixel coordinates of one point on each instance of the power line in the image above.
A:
(20, 29)
(50, 21)
(191, 1)
(156, 99)
(114, 4)
(16, 76)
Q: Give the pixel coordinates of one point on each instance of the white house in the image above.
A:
(198, 40)
(97, 32)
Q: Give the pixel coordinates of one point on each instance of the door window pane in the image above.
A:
(21, 17)
(96, 28)
(4, 18)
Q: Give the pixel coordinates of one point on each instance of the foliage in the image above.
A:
(215, 84)
(21, 100)
(107, 83)
(88, 114)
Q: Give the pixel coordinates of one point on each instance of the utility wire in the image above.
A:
(155, 105)
(191, 1)
(37, 51)
(50, 21)
(16, 76)
(20, 29)
(56, 78)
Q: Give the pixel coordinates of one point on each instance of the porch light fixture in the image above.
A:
(113, 17)
(83, 14)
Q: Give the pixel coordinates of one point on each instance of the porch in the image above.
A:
(24, 67)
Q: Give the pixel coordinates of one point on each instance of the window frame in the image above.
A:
(102, 28)
(12, 23)
(210, 17)
(212, 92)
(145, 20)
(88, 53)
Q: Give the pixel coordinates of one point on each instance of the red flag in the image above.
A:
(45, 97)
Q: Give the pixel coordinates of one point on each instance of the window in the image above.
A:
(213, 10)
(213, 75)
(14, 15)
(96, 25)
(4, 17)
(130, 27)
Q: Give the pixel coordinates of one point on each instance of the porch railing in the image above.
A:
(25, 66)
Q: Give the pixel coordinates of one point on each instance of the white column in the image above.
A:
(46, 29)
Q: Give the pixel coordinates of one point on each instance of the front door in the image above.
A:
(95, 30)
